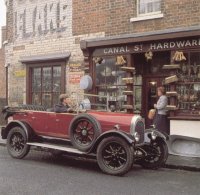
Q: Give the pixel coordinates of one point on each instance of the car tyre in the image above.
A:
(157, 154)
(17, 143)
(115, 156)
(84, 130)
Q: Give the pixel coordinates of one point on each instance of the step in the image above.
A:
(57, 147)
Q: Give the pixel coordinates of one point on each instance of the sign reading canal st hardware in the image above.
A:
(154, 46)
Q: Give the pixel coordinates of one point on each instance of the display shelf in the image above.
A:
(128, 92)
(127, 107)
(171, 66)
(188, 82)
(171, 107)
(128, 80)
(171, 79)
(171, 93)
(127, 68)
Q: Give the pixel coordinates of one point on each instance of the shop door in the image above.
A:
(150, 96)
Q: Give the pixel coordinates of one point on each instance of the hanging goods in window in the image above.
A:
(120, 60)
(98, 60)
(148, 55)
(179, 56)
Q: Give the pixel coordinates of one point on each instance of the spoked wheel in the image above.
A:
(16, 143)
(157, 153)
(84, 131)
(115, 156)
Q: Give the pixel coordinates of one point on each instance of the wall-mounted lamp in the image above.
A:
(153, 83)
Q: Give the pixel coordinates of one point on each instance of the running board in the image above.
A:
(56, 147)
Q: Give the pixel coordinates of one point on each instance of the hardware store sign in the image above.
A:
(153, 46)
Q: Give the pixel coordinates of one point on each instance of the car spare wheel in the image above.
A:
(84, 130)
(115, 156)
(16, 143)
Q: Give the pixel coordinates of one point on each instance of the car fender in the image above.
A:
(26, 127)
(127, 137)
(156, 133)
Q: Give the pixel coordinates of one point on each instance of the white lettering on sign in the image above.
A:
(153, 46)
(115, 50)
(38, 18)
(173, 44)
(138, 48)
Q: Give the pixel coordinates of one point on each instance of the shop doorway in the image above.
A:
(150, 96)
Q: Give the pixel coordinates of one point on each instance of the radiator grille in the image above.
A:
(139, 128)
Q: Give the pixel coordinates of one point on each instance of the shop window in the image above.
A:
(186, 97)
(46, 85)
(137, 97)
(109, 83)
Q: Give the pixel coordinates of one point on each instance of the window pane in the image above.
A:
(55, 98)
(36, 80)
(100, 74)
(149, 6)
(141, 6)
(47, 79)
(195, 58)
(56, 79)
(157, 6)
(36, 99)
(46, 100)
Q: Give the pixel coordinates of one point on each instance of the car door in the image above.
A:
(58, 124)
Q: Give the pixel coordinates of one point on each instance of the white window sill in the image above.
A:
(149, 17)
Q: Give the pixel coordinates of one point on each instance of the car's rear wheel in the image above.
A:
(157, 153)
(84, 130)
(17, 143)
(115, 156)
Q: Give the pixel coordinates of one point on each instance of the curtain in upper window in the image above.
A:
(149, 6)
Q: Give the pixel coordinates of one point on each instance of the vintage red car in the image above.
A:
(117, 140)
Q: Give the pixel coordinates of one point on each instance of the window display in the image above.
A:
(186, 88)
(109, 83)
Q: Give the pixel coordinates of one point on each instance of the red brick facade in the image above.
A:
(113, 17)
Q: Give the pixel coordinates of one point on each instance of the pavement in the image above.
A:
(173, 161)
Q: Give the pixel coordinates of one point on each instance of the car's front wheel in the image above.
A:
(115, 156)
(157, 153)
(17, 143)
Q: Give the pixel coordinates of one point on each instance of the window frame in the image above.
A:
(148, 13)
(147, 16)
(29, 73)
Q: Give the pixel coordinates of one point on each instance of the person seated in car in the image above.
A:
(64, 104)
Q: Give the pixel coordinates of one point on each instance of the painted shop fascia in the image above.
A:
(152, 46)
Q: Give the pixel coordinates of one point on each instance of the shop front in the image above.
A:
(129, 69)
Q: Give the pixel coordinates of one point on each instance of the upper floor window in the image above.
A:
(147, 7)
(147, 10)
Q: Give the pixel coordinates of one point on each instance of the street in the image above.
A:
(42, 174)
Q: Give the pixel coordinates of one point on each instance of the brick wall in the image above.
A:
(2, 85)
(9, 20)
(113, 16)
(40, 28)
(2, 75)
